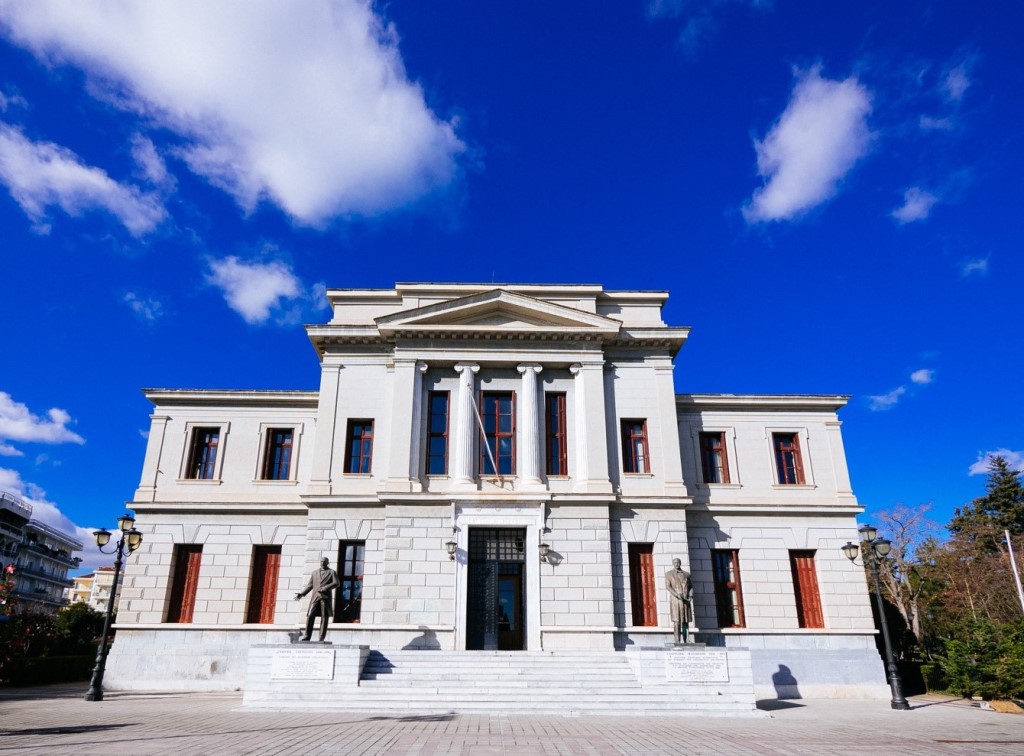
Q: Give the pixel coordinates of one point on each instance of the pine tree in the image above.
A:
(1001, 508)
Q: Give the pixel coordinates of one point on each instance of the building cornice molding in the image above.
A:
(790, 402)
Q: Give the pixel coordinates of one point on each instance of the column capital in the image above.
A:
(526, 366)
(463, 366)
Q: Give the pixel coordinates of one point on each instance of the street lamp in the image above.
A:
(130, 540)
(877, 550)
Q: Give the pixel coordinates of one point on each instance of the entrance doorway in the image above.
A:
(495, 605)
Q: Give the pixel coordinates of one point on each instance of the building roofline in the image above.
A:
(764, 401)
(164, 396)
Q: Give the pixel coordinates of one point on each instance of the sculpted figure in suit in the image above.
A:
(680, 590)
(320, 584)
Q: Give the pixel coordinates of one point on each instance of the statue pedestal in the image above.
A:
(699, 671)
(279, 675)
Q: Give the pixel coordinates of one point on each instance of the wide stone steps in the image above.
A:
(418, 682)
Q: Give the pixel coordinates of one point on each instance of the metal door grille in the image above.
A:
(497, 545)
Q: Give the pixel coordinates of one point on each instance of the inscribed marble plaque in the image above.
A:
(697, 666)
(302, 664)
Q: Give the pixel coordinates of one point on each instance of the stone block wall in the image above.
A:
(225, 569)
(417, 586)
(576, 586)
(764, 543)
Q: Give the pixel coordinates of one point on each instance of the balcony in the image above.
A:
(64, 582)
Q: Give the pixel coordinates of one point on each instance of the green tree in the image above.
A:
(1001, 508)
(986, 659)
(78, 626)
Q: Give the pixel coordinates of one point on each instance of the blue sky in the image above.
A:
(829, 192)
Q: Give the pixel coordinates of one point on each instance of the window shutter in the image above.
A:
(805, 586)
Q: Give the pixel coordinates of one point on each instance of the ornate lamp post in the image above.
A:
(877, 550)
(130, 540)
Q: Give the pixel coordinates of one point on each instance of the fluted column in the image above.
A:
(528, 457)
(465, 422)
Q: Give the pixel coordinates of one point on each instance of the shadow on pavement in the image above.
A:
(65, 730)
(775, 704)
(422, 718)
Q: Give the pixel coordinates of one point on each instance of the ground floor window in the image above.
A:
(184, 580)
(349, 604)
(805, 586)
(641, 585)
(266, 564)
(728, 592)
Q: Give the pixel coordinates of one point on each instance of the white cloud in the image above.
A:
(923, 376)
(8, 101)
(18, 424)
(956, 82)
(819, 137)
(150, 163)
(253, 289)
(886, 401)
(974, 267)
(41, 175)
(6, 450)
(1014, 458)
(917, 205)
(311, 110)
(147, 308)
(49, 513)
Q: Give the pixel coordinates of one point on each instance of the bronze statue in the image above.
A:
(680, 590)
(321, 583)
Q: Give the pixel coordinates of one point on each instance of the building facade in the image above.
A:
(41, 556)
(94, 589)
(496, 467)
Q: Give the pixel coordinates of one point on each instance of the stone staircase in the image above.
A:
(417, 682)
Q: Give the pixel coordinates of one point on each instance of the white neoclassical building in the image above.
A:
(496, 467)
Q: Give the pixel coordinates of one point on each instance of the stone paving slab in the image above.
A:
(56, 720)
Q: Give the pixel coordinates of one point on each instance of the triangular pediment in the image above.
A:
(496, 311)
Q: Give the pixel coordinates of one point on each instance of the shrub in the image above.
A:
(985, 659)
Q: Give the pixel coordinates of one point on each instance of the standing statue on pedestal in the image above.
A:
(321, 583)
(680, 590)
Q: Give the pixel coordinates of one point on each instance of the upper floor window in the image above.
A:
(635, 458)
(554, 430)
(359, 449)
(713, 461)
(437, 433)
(202, 454)
(277, 456)
(788, 465)
(499, 417)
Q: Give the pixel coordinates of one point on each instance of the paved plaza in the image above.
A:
(55, 720)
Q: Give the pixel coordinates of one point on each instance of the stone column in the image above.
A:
(326, 428)
(590, 470)
(528, 458)
(403, 476)
(151, 465)
(465, 426)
